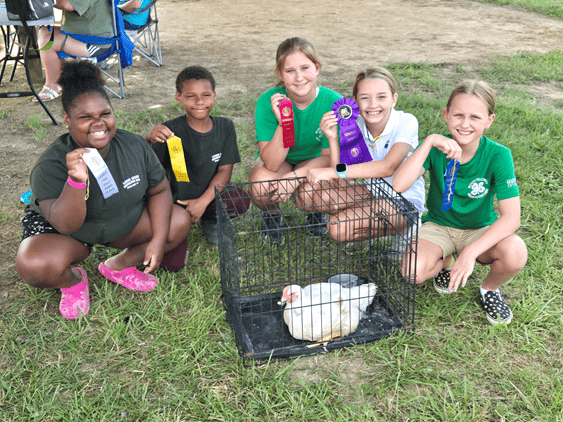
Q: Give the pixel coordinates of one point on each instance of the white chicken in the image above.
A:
(323, 311)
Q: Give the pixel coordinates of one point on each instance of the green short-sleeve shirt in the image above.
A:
(134, 168)
(90, 17)
(490, 172)
(309, 138)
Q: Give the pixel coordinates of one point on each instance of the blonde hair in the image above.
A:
(291, 45)
(473, 87)
(375, 73)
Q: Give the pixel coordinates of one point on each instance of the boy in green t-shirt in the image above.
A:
(470, 228)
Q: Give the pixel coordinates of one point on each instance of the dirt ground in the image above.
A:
(237, 41)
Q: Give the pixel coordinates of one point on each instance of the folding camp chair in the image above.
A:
(147, 38)
(121, 50)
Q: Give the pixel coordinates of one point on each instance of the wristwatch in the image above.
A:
(341, 169)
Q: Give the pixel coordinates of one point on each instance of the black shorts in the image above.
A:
(33, 223)
(93, 49)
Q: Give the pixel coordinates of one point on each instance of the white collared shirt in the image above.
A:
(401, 127)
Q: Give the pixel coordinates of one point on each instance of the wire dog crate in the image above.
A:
(361, 257)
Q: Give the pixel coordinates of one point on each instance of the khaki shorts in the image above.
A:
(448, 238)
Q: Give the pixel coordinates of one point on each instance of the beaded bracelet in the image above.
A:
(75, 184)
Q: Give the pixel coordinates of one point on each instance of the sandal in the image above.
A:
(75, 300)
(48, 94)
(130, 278)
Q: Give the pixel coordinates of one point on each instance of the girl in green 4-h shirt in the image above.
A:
(297, 69)
(470, 228)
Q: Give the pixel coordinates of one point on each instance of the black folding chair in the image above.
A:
(29, 51)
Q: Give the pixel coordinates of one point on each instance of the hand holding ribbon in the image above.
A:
(353, 149)
(77, 169)
(177, 159)
(287, 124)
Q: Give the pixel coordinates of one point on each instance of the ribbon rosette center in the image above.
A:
(353, 149)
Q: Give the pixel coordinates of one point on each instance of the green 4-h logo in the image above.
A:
(478, 188)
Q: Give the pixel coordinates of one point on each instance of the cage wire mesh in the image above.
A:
(363, 295)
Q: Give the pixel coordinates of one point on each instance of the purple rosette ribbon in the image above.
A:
(353, 149)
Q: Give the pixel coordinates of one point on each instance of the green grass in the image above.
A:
(525, 68)
(552, 8)
(170, 355)
(38, 127)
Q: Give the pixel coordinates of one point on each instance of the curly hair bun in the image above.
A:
(75, 72)
(80, 77)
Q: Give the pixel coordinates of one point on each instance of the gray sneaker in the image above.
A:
(271, 228)
(210, 230)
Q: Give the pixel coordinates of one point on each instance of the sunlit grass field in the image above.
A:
(170, 355)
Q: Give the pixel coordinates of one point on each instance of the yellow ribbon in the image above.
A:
(177, 159)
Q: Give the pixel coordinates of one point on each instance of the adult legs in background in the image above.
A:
(50, 59)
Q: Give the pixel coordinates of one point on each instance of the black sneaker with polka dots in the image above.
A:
(442, 281)
(495, 307)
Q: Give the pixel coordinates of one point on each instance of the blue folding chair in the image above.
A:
(146, 37)
(121, 49)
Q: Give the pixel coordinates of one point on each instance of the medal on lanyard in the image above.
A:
(177, 159)
(288, 127)
(353, 149)
(449, 188)
(101, 172)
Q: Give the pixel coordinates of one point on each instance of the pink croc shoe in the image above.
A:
(130, 278)
(75, 300)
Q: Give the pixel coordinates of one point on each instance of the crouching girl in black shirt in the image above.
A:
(96, 185)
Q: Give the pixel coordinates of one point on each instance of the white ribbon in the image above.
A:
(101, 172)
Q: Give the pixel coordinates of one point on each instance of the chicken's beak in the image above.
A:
(282, 301)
